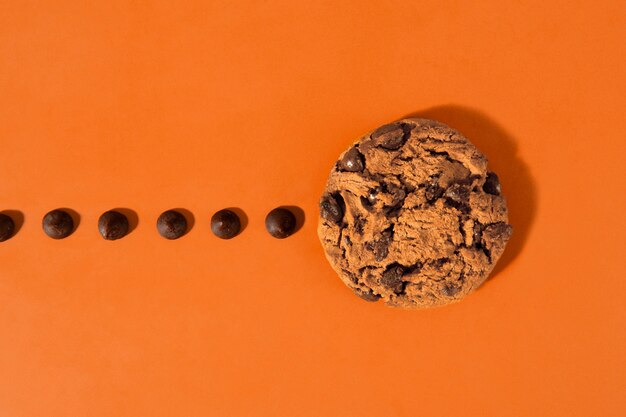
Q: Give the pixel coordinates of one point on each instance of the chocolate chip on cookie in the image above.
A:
(352, 161)
(391, 136)
(330, 209)
(492, 184)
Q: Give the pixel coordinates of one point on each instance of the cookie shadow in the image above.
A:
(17, 217)
(500, 148)
(131, 215)
(243, 217)
(188, 215)
(299, 214)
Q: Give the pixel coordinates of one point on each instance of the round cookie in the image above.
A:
(411, 215)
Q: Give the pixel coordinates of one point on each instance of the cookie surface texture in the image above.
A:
(412, 216)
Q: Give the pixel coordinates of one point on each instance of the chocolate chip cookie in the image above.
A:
(411, 215)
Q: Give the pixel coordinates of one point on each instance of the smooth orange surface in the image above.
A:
(205, 105)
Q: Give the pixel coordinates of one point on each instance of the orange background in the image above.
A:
(204, 105)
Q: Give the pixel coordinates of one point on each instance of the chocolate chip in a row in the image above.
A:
(392, 136)
(7, 227)
(172, 224)
(280, 223)
(225, 224)
(113, 225)
(58, 224)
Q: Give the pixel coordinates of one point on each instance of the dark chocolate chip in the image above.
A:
(385, 129)
(366, 295)
(478, 235)
(7, 227)
(330, 209)
(393, 211)
(352, 161)
(433, 191)
(113, 225)
(458, 193)
(498, 231)
(172, 224)
(450, 290)
(280, 223)
(365, 203)
(58, 224)
(372, 195)
(225, 224)
(392, 278)
(380, 247)
(457, 196)
(492, 184)
(399, 194)
(392, 136)
(397, 200)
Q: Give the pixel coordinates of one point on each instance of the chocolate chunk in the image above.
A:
(433, 191)
(458, 193)
(367, 295)
(58, 224)
(280, 223)
(399, 194)
(225, 224)
(450, 289)
(113, 225)
(392, 136)
(7, 227)
(381, 246)
(457, 196)
(370, 200)
(498, 231)
(392, 278)
(171, 224)
(492, 184)
(330, 208)
(352, 161)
